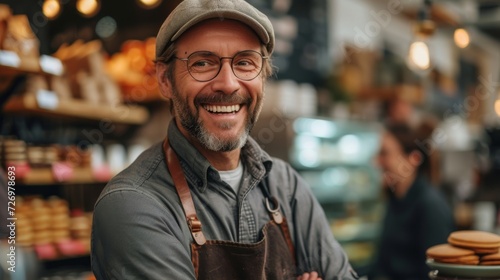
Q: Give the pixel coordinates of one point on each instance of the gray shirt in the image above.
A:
(140, 231)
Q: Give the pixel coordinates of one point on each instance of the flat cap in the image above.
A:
(191, 12)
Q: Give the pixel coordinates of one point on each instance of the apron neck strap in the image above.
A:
(184, 193)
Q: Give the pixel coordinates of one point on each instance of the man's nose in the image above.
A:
(226, 81)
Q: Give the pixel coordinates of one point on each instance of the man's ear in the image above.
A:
(164, 84)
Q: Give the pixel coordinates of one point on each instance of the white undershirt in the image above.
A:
(233, 177)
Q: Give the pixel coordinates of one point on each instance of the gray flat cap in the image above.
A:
(191, 12)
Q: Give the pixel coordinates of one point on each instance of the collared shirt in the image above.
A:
(140, 231)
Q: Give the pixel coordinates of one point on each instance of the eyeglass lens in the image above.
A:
(204, 66)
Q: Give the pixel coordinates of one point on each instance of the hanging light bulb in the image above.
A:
(419, 55)
(149, 4)
(497, 103)
(51, 8)
(461, 37)
(88, 8)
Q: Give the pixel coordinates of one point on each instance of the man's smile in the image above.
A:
(222, 109)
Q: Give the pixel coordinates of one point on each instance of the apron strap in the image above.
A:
(184, 194)
(278, 218)
(194, 223)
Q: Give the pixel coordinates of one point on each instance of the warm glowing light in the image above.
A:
(149, 4)
(419, 56)
(88, 8)
(51, 8)
(497, 107)
(462, 38)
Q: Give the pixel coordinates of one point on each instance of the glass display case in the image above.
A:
(336, 159)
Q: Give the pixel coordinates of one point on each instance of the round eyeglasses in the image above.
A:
(204, 66)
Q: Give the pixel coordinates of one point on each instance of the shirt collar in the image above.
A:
(197, 168)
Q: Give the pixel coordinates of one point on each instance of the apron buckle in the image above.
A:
(275, 213)
(195, 227)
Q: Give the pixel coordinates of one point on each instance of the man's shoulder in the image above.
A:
(147, 175)
(282, 168)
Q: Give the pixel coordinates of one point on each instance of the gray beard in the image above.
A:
(194, 126)
(213, 143)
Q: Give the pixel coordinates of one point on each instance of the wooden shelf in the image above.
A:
(140, 94)
(13, 71)
(45, 176)
(412, 93)
(11, 64)
(123, 113)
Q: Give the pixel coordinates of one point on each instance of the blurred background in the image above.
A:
(79, 103)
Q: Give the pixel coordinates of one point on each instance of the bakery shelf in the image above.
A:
(45, 176)
(141, 94)
(13, 71)
(414, 93)
(123, 113)
(11, 64)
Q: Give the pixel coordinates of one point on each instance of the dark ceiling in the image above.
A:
(489, 18)
(135, 22)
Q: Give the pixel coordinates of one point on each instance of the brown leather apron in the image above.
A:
(273, 257)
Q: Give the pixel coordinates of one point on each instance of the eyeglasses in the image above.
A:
(204, 66)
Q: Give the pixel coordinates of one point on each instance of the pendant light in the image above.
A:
(51, 8)
(149, 4)
(461, 37)
(419, 55)
(88, 8)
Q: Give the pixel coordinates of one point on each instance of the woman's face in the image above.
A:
(394, 163)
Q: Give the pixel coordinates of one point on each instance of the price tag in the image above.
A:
(51, 65)
(62, 171)
(9, 58)
(47, 99)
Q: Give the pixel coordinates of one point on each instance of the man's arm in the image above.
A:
(317, 249)
(134, 237)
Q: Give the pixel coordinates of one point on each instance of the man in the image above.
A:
(208, 203)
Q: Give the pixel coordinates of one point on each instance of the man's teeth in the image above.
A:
(222, 109)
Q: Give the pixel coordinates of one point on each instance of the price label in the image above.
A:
(47, 99)
(62, 171)
(51, 65)
(9, 58)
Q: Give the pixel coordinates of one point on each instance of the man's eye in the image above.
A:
(244, 63)
(200, 63)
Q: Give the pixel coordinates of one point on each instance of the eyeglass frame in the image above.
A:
(186, 59)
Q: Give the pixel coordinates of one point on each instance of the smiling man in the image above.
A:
(208, 202)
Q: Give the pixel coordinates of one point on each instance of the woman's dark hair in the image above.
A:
(418, 138)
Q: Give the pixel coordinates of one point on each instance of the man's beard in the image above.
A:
(195, 127)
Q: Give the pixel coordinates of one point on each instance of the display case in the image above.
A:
(336, 158)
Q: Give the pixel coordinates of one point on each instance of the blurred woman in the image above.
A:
(417, 214)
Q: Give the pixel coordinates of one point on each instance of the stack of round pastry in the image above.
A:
(60, 219)
(51, 155)
(446, 253)
(36, 156)
(491, 259)
(469, 247)
(24, 228)
(478, 241)
(41, 220)
(14, 152)
(81, 226)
